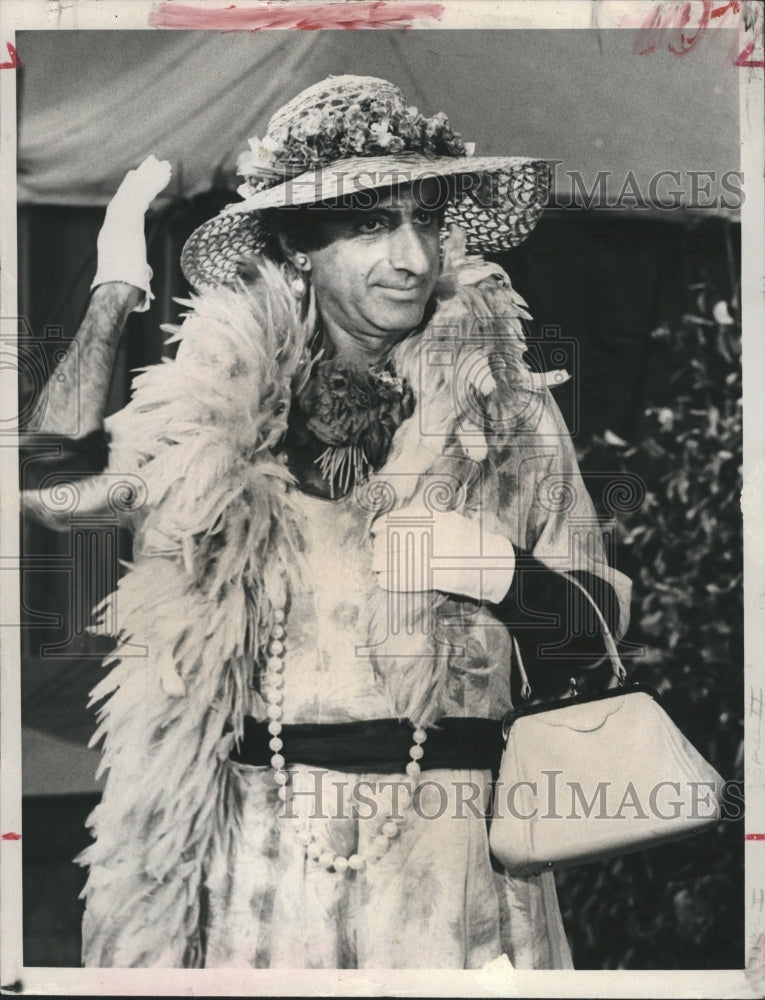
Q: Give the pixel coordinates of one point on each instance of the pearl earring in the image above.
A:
(298, 285)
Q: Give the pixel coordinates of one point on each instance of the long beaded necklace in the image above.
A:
(273, 692)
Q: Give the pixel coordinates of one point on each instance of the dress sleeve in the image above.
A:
(64, 478)
(60, 456)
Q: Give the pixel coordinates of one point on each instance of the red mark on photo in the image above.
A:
(733, 6)
(744, 60)
(685, 42)
(15, 62)
(11, 836)
(303, 16)
(755, 836)
(672, 28)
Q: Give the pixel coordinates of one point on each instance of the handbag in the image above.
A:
(594, 776)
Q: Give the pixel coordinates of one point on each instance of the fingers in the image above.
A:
(412, 536)
(417, 513)
(417, 550)
(142, 185)
(546, 380)
(152, 176)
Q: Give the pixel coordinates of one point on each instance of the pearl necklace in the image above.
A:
(274, 697)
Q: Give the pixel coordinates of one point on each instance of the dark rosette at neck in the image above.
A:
(342, 423)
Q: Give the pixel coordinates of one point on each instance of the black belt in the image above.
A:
(378, 746)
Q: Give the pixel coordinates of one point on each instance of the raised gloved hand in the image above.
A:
(121, 242)
(415, 549)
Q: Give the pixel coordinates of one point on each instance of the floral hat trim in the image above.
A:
(370, 126)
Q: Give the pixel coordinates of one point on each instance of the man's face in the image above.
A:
(374, 276)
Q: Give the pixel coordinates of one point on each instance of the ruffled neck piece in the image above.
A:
(341, 425)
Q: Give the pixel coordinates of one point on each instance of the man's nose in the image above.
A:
(409, 251)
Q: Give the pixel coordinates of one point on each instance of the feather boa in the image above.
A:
(219, 543)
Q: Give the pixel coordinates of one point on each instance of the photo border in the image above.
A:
(497, 979)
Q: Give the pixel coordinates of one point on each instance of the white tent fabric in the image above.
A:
(94, 104)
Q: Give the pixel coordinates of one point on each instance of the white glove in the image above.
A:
(415, 549)
(121, 242)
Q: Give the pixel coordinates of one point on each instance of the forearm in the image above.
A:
(552, 620)
(76, 394)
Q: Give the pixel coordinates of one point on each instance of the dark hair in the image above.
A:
(304, 226)
(298, 226)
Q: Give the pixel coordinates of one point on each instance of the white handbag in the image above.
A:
(595, 776)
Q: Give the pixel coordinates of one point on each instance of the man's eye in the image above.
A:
(425, 217)
(371, 225)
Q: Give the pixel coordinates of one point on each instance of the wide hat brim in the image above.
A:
(497, 209)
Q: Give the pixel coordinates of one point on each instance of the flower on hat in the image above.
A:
(381, 132)
(263, 147)
(314, 121)
(367, 126)
(260, 156)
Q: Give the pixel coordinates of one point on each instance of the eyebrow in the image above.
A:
(348, 216)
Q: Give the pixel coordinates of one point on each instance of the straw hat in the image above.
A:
(348, 134)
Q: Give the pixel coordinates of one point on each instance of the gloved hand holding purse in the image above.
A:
(415, 549)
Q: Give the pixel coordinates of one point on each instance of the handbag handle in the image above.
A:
(620, 674)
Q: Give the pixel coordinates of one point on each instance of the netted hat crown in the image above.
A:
(339, 118)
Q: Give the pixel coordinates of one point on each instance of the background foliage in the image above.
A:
(682, 905)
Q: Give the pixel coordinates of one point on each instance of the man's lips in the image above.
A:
(405, 292)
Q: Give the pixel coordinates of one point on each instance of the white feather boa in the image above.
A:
(220, 541)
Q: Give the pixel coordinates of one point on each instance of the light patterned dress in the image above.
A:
(433, 900)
